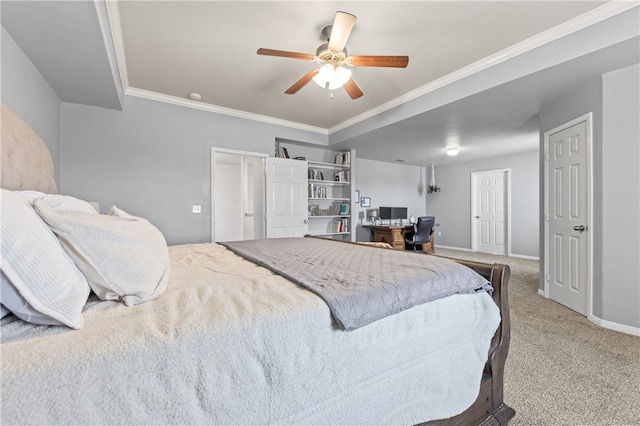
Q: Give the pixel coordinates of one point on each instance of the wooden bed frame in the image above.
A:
(489, 408)
(23, 150)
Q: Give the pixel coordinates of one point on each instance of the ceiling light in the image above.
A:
(195, 96)
(332, 77)
(453, 151)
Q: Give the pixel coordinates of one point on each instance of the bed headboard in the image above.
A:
(25, 159)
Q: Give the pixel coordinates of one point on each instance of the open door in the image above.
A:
(237, 195)
(286, 198)
(568, 236)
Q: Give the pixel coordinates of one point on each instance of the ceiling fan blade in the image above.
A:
(352, 89)
(380, 61)
(342, 25)
(285, 54)
(302, 82)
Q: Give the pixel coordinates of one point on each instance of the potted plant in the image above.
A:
(432, 189)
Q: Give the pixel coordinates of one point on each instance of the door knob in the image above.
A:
(306, 221)
(579, 228)
(477, 217)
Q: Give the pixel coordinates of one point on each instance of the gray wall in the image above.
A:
(621, 196)
(452, 205)
(388, 185)
(26, 92)
(613, 99)
(153, 159)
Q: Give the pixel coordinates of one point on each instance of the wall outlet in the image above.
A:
(196, 208)
(439, 234)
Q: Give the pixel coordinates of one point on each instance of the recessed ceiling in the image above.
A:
(478, 72)
(175, 48)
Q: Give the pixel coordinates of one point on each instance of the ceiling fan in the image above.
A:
(332, 56)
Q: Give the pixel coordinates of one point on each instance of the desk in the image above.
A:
(395, 236)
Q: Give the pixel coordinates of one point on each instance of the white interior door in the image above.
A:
(567, 215)
(287, 211)
(491, 211)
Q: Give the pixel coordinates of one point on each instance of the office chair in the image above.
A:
(422, 233)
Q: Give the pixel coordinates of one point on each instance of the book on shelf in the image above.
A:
(344, 209)
(315, 174)
(340, 225)
(343, 158)
(342, 176)
(317, 191)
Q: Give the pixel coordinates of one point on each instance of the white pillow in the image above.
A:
(36, 264)
(67, 202)
(61, 202)
(13, 301)
(124, 257)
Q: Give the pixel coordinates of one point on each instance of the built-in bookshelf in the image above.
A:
(330, 197)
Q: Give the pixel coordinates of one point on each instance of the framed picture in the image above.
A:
(365, 202)
(357, 197)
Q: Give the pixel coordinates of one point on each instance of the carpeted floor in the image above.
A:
(562, 369)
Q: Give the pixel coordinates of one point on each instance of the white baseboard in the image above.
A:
(524, 256)
(452, 248)
(519, 256)
(622, 328)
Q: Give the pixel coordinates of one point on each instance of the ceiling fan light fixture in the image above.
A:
(342, 75)
(332, 77)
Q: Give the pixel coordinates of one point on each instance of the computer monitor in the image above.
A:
(392, 213)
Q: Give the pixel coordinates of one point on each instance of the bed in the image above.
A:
(217, 334)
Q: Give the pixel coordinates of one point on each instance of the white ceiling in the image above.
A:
(210, 47)
(465, 83)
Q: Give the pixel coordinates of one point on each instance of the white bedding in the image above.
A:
(230, 342)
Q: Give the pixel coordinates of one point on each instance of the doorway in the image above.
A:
(568, 214)
(491, 215)
(237, 195)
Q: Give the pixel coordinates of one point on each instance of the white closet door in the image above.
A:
(287, 213)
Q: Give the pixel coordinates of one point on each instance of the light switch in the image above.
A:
(196, 208)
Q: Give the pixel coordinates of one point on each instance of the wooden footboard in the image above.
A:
(489, 408)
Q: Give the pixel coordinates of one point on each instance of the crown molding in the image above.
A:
(113, 15)
(174, 100)
(585, 20)
(578, 23)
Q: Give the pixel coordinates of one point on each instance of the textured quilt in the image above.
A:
(361, 284)
(230, 342)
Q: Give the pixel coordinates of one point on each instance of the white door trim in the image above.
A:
(507, 195)
(212, 178)
(589, 148)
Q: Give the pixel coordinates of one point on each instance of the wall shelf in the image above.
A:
(329, 195)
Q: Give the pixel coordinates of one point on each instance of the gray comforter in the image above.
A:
(361, 284)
